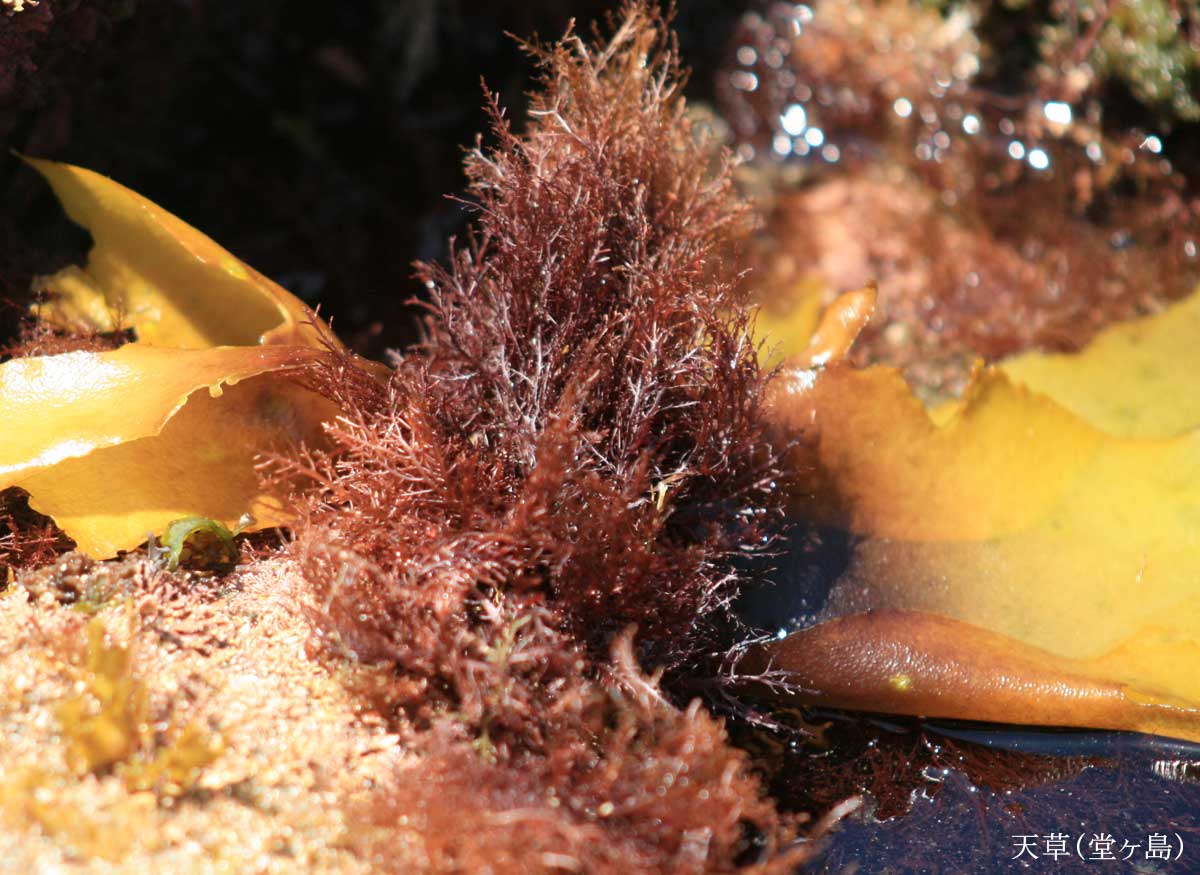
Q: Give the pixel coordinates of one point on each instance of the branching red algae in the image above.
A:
(27, 538)
(576, 451)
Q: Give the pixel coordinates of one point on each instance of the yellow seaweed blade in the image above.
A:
(1116, 551)
(152, 272)
(998, 466)
(59, 407)
(1135, 379)
(1014, 518)
(911, 662)
(784, 333)
(838, 328)
(202, 463)
(114, 445)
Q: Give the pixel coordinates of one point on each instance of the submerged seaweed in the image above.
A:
(576, 452)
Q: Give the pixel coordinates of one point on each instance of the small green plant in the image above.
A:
(198, 542)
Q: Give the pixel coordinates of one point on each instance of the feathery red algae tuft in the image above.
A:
(576, 451)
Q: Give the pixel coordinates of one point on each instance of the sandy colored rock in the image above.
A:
(229, 654)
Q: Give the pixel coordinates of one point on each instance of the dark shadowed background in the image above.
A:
(317, 142)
